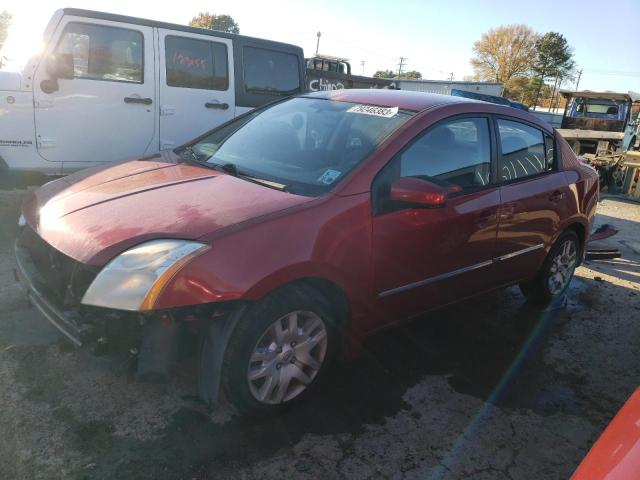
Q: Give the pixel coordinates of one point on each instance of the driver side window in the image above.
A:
(456, 152)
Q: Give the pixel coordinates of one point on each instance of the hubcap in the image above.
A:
(562, 267)
(287, 357)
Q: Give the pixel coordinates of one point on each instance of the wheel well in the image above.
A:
(580, 231)
(332, 294)
(332, 297)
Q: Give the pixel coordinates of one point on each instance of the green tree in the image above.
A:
(412, 75)
(223, 23)
(504, 53)
(384, 74)
(554, 58)
(5, 22)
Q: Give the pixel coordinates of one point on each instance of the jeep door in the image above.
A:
(196, 85)
(107, 111)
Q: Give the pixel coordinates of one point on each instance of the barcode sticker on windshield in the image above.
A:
(377, 111)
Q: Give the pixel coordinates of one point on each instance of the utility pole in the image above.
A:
(362, 65)
(451, 77)
(578, 81)
(318, 43)
(401, 64)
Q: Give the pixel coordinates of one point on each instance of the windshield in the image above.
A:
(304, 145)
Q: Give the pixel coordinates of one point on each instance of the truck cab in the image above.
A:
(600, 127)
(594, 123)
(108, 87)
(325, 72)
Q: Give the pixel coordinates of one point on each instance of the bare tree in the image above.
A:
(504, 53)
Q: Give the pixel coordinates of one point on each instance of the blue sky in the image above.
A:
(436, 36)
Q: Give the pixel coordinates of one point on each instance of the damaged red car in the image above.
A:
(286, 236)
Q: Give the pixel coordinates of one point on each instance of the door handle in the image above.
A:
(144, 101)
(219, 106)
(556, 196)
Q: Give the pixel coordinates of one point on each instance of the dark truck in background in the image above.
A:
(324, 72)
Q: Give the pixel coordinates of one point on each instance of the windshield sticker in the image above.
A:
(376, 111)
(329, 176)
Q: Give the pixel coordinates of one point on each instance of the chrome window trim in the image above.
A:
(460, 271)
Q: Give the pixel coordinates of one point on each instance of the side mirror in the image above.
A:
(418, 193)
(58, 66)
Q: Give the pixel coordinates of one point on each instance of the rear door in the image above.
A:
(196, 85)
(533, 198)
(429, 257)
(107, 111)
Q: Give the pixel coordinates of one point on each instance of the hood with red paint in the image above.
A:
(97, 213)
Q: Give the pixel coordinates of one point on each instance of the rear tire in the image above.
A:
(556, 272)
(278, 351)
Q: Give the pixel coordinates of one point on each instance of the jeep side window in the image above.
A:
(104, 53)
(193, 63)
(270, 71)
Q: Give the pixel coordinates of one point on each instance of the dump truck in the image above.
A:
(600, 127)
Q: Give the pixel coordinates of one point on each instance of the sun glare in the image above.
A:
(20, 46)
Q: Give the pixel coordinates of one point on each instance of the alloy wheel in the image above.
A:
(287, 357)
(562, 267)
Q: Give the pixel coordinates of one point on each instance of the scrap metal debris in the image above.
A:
(601, 233)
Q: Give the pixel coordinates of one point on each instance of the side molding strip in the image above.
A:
(460, 271)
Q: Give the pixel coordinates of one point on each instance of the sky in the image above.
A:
(436, 37)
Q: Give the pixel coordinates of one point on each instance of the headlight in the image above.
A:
(135, 278)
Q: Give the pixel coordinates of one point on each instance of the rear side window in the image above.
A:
(523, 151)
(270, 71)
(550, 152)
(456, 152)
(104, 53)
(192, 63)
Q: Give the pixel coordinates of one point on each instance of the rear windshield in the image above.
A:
(599, 108)
(306, 145)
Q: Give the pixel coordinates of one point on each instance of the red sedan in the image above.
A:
(287, 235)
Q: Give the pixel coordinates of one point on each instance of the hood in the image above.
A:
(10, 81)
(93, 215)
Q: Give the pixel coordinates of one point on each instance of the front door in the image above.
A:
(429, 257)
(196, 85)
(107, 111)
(533, 195)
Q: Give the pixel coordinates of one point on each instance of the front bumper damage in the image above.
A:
(152, 340)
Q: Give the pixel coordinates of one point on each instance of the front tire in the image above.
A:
(556, 272)
(278, 351)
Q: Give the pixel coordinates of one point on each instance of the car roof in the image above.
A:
(421, 101)
(403, 99)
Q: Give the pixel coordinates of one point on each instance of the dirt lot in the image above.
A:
(489, 389)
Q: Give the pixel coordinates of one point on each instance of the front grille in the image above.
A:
(64, 279)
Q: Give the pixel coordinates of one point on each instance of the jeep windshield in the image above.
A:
(305, 145)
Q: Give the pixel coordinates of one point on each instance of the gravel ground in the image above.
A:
(491, 388)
